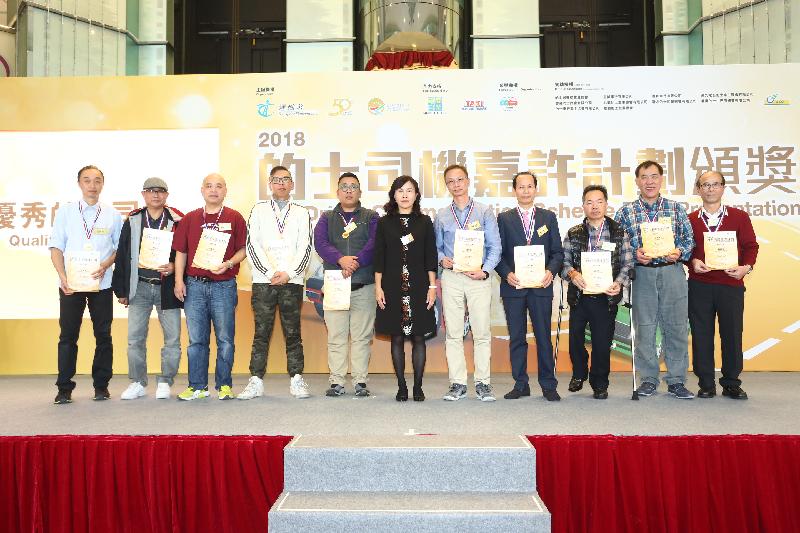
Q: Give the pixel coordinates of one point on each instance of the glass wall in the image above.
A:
(319, 35)
(505, 34)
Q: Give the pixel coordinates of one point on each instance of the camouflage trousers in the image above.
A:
(266, 299)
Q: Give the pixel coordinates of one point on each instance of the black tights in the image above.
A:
(417, 359)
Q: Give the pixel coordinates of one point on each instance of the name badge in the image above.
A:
(407, 239)
(224, 226)
(541, 231)
(474, 225)
(101, 231)
(609, 246)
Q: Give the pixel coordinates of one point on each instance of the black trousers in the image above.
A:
(70, 318)
(596, 312)
(709, 302)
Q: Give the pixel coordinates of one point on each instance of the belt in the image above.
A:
(594, 296)
(657, 265)
(151, 281)
(205, 279)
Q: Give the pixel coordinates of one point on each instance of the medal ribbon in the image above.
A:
(214, 225)
(529, 230)
(704, 216)
(469, 213)
(597, 239)
(281, 223)
(89, 231)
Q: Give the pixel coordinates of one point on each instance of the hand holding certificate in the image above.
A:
(721, 250)
(211, 249)
(155, 248)
(80, 267)
(336, 291)
(529, 265)
(468, 251)
(596, 271)
(658, 239)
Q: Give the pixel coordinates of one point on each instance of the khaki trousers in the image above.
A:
(460, 293)
(351, 331)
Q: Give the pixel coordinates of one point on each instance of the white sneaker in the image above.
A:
(134, 390)
(254, 389)
(298, 387)
(163, 391)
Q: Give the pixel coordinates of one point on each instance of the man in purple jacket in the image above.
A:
(345, 240)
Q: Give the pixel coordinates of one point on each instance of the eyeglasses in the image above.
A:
(281, 180)
(453, 181)
(710, 186)
(349, 187)
(156, 191)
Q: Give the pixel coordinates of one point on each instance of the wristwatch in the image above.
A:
(487, 274)
(230, 264)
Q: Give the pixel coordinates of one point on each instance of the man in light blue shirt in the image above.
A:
(468, 285)
(83, 247)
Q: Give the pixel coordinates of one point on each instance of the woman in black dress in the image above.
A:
(405, 264)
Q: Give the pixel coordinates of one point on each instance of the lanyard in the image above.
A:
(89, 231)
(344, 220)
(469, 213)
(529, 230)
(281, 223)
(703, 217)
(646, 214)
(596, 245)
(160, 220)
(213, 225)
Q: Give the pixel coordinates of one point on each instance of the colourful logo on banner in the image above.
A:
(508, 103)
(473, 105)
(341, 107)
(774, 99)
(263, 109)
(435, 105)
(376, 106)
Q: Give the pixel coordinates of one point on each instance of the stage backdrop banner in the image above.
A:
(572, 127)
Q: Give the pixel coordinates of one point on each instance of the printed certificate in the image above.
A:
(79, 267)
(278, 254)
(658, 239)
(155, 248)
(211, 249)
(721, 249)
(336, 291)
(596, 271)
(468, 251)
(529, 265)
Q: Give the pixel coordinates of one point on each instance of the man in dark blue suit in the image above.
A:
(526, 226)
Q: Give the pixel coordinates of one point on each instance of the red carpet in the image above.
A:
(227, 483)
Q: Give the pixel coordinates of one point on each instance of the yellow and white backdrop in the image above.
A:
(570, 126)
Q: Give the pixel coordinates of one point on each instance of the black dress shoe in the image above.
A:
(101, 393)
(419, 396)
(734, 393)
(402, 394)
(551, 395)
(600, 394)
(516, 394)
(575, 384)
(707, 392)
(63, 396)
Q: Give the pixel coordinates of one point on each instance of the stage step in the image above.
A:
(410, 462)
(410, 482)
(464, 512)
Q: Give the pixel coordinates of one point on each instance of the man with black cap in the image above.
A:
(141, 288)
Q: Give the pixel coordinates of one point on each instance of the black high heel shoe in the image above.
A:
(402, 394)
(419, 396)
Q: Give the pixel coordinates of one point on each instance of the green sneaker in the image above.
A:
(225, 393)
(193, 394)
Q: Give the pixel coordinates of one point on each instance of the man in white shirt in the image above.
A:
(278, 250)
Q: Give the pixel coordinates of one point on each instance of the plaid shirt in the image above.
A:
(626, 255)
(632, 214)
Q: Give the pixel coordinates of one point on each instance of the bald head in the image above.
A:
(214, 190)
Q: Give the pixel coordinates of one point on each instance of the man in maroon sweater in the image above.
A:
(718, 292)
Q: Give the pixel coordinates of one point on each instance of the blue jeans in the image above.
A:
(207, 303)
(660, 300)
(139, 308)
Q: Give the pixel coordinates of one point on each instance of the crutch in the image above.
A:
(558, 324)
(629, 305)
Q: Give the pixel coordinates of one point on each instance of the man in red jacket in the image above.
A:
(717, 290)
